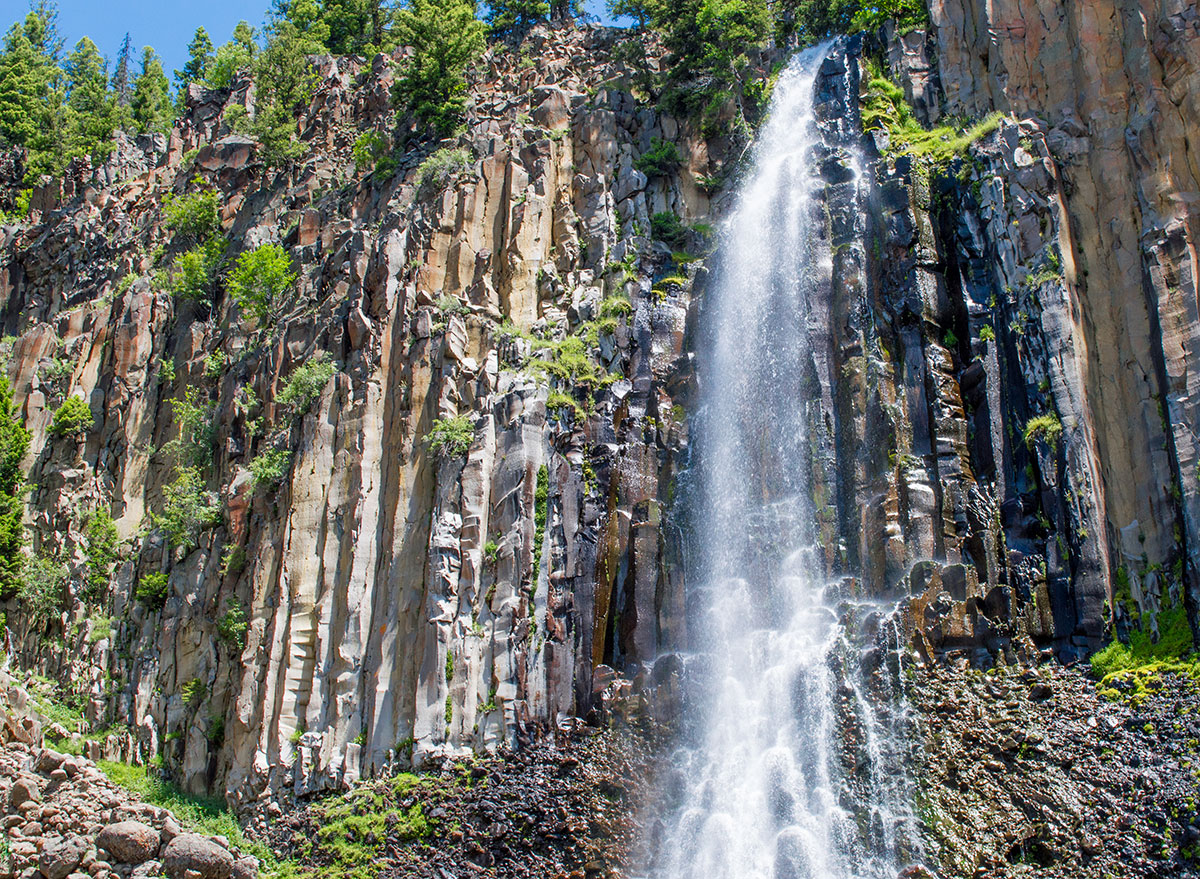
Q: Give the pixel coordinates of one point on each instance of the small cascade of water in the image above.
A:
(795, 745)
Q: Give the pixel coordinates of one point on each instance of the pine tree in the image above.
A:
(447, 38)
(89, 100)
(200, 55)
(122, 82)
(513, 18)
(33, 112)
(359, 27)
(151, 103)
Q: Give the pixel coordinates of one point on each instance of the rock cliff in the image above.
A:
(1005, 360)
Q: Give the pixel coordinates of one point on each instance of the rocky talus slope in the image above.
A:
(64, 819)
(1004, 443)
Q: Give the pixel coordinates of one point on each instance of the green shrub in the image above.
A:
(232, 626)
(192, 216)
(101, 629)
(439, 169)
(270, 466)
(14, 443)
(193, 446)
(43, 589)
(451, 437)
(102, 541)
(72, 418)
(259, 281)
(541, 512)
(370, 152)
(667, 228)
(616, 306)
(661, 159)
(192, 277)
(306, 383)
(151, 590)
(188, 509)
(1044, 427)
(987, 334)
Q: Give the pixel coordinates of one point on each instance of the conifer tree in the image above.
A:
(89, 101)
(514, 18)
(151, 102)
(14, 442)
(122, 81)
(33, 112)
(200, 55)
(447, 38)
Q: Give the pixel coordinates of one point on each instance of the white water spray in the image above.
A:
(768, 788)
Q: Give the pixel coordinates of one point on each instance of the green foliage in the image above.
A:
(451, 437)
(541, 512)
(200, 55)
(306, 383)
(192, 216)
(708, 41)
(491, 552)
(232, 626)
(151, 103)
(354, 828)
(152, 590)
(884, 106)
(431, 83)
(72, 418)
(196, 270)
(102, 541)
(268, 467)
(810, 21)
(235, 55)
(187, 509)
(193, 446)
(370, 152)
(43, 590)
(641, 11)
(616, 306)
(193, 692)
(55, 112)
(558, 402)
(284, 79)
(1134, 669)
(514, 18)
(661, 159)
(669, 229)
(569, 363)
(441, 167)
(1046, 428)
(987, 334)
(259, 281)
(14, 443)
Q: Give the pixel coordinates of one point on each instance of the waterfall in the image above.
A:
(792, 764)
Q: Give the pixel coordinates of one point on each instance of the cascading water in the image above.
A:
(770, 787)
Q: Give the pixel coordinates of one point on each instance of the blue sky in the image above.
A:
(167, 25)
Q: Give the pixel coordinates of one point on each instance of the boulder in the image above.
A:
(190, 852)
(130, 842)
(59, 860)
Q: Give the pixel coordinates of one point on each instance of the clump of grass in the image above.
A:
(884, 106)
(1046, 428)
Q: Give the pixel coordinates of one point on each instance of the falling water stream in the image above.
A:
(766, 789)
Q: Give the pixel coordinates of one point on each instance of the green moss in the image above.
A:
(1133, 670)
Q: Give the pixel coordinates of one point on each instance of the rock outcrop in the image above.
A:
(1005, 436)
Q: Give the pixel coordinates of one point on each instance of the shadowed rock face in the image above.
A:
(405, 603)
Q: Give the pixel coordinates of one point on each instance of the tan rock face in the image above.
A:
(1115, 91)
